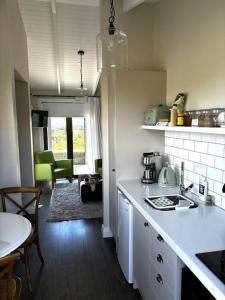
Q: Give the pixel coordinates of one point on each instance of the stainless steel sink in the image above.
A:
(168, 202)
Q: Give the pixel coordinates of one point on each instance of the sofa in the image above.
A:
(49, 169)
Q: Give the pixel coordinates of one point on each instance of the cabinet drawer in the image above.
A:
(164, 265)
(159, 246)
(153, 296)
(159, 286)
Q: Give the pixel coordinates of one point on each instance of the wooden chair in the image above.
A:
(6, 194)
(10, 287)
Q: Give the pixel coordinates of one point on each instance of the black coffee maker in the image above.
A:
(150, 175)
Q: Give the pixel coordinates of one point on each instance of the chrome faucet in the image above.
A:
(183, 190)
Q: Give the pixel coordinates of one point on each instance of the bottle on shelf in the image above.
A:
(188, 118)
(180, 119)
(173, 116)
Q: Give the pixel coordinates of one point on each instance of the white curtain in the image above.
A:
(93, 132)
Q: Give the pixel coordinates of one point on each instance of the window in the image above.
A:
(78, 140)
(66, 138)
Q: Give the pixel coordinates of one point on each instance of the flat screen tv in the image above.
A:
(39, 118)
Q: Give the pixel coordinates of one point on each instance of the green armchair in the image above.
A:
(98, 166)
(47, 168)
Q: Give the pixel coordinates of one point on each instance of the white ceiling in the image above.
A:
(56, 30)
(131, 4)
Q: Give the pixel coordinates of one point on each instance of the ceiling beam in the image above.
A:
(56, 44)
(93, 3)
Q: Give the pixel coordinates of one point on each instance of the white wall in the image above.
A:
(24, 133)
(13, 55)
(189, 43)
(64, 109)
(128, 101)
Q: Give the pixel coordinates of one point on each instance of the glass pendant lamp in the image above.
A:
(82, 90)
(112, 46)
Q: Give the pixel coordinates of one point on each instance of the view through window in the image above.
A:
(78, 140)
(58, 134)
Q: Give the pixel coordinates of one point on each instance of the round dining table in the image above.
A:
(14, 230)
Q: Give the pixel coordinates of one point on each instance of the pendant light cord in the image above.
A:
(81, 72)
(81, 53)
(112, 12)
(111, 28)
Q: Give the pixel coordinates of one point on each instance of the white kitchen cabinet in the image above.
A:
(142, 254)
(130, 93)
(166, 269)
(157, 269)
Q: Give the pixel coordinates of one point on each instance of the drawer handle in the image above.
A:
(146, 224)
(159, 258)
(159, 279)
(159, 238)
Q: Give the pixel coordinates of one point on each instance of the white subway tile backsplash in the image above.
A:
(169, 141)
(210, 138)
(195, 136)
(214, 174)
(178, 143)
(167, 133)
(167, 149)
(220, 139)
(177, 162)
(220, 163)
(196, 178)
(208, 160)
(210, 184)
(184, 135)
(190, 176)
(186, 174)
(174, 134)
(174, 151)
(203, 155)
(188, 165)
(187, 182)
(200, 169)
(216, 149)
(201, 147)
(223, 202)
(194, 156)
(189, 145)
(183, 153)
(218, 187)
(216, 198)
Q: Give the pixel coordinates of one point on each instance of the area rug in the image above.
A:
(65, 204)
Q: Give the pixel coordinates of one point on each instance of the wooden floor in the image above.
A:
(79, 263)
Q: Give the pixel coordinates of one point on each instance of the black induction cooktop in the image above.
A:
(215, 261)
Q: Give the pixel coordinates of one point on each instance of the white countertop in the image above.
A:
(188, 232)
(14, 230)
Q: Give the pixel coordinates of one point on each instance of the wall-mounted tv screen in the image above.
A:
(39, 118)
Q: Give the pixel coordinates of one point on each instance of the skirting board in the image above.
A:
(106, 232)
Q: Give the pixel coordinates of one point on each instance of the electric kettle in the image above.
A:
(167, 177)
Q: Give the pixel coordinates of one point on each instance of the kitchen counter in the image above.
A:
(188, 232)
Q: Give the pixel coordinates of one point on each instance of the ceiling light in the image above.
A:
(82, 90)
(112, 46)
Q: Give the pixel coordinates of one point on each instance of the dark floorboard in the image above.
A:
(79, 263)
